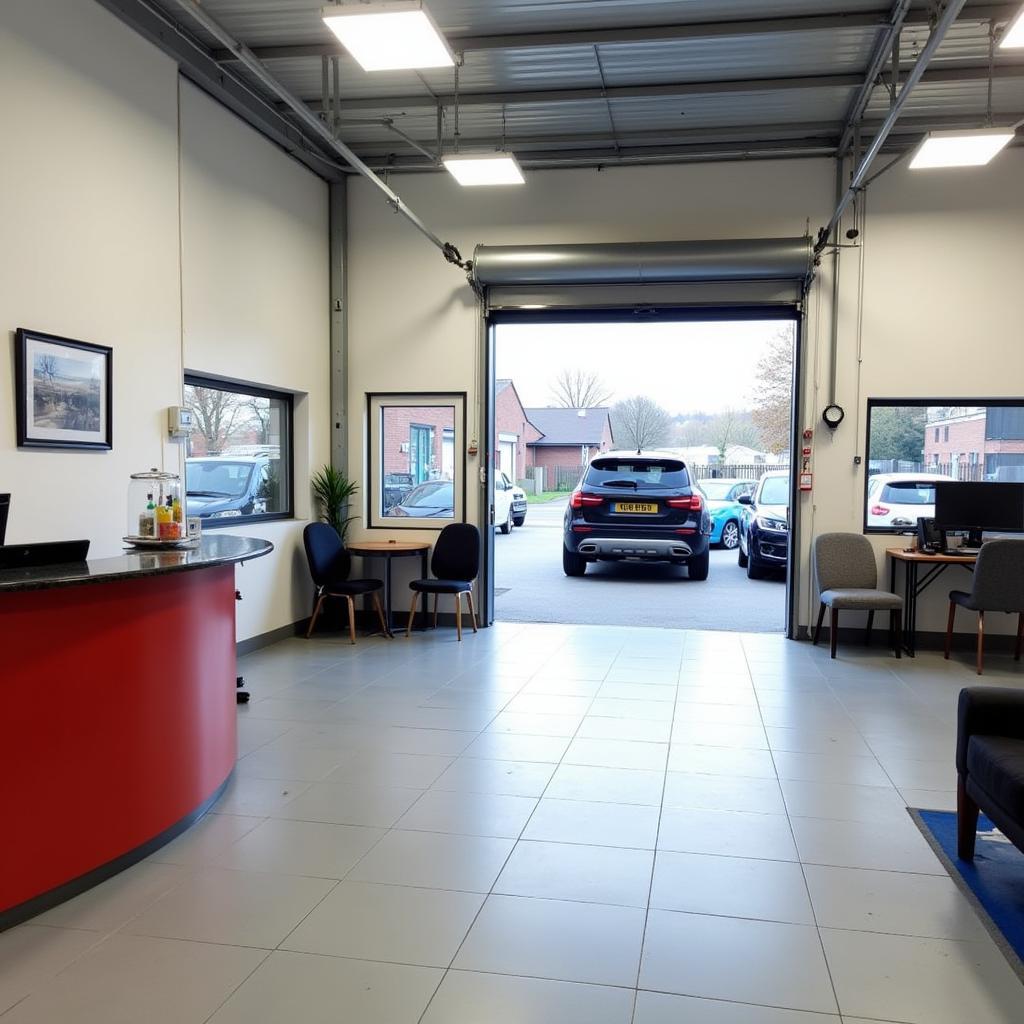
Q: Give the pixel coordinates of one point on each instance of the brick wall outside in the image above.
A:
(509, 418)
(396, 433)
(965, 436)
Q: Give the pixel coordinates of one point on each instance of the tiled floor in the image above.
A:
(549, 825)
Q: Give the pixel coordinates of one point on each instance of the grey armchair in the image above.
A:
(998, 586)
(844, 564)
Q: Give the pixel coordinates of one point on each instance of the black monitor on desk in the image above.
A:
(5, 508)
(979, 508)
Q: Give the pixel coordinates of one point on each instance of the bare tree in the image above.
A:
(47, 366)
(639, 422)
(258, 410)
(730, 428)
(773, 391)
(216, 413)
(579, 389)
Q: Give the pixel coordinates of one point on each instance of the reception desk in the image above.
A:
(117, 690)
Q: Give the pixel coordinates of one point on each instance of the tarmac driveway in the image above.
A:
(531, 587)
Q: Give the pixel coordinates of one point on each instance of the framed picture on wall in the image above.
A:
(63, 392)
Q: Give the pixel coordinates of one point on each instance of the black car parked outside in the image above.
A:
(638, 506)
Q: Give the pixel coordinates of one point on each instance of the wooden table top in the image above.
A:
(903, 555)
(385, 547)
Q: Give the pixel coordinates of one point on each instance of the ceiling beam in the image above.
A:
(801, 130)
(646, 33)
(196, 64)
(681, 90)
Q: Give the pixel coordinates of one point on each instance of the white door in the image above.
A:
(507, 454)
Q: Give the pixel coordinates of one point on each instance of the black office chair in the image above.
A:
(455, 564)
(329, 565)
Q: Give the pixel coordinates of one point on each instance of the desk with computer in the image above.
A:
(967, 515)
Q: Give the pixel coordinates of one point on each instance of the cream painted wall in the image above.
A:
(255, 269)
(942, 260)
(89, 208)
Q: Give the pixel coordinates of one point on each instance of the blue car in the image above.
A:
(723, 498)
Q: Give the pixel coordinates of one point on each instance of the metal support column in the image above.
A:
(337, 200)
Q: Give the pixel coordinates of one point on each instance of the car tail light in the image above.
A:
(691, 501)
(880, 510)
(579, 528)
(581, 500)
(686, 531)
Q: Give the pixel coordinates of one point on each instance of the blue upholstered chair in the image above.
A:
(455, 564)
(330, 565)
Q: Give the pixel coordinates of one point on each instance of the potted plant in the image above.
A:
(333, 492)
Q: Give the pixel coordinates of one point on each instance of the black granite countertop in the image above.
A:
(222, 549)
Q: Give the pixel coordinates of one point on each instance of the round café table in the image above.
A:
(389, 550)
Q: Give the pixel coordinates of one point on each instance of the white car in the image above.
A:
(509, 504)
(896, 500)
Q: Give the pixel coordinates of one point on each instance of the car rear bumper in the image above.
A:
(664, 546)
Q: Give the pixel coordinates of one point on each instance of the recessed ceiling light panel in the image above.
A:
(493, 168)
(1013, 37)
(960, 148)
(389, 35)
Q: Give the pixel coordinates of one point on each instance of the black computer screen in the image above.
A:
(979, 506)
(5, 507)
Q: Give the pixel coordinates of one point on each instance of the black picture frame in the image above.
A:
(84, 414)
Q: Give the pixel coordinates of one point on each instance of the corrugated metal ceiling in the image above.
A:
(681, 91)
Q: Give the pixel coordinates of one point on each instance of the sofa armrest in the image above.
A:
(987, 711)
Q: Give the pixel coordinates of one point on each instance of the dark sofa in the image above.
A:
(990, 764)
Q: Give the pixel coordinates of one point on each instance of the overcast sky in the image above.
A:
(685, 367)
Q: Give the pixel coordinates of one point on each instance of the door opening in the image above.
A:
(707, 401)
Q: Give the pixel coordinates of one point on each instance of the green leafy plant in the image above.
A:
(333, 492)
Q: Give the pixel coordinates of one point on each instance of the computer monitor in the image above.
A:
(5, 508)
(977, 507)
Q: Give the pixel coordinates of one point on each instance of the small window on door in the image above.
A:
(417, 478)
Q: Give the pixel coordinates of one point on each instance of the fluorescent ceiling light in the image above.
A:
(484, 168)
(390, 35)
(1014, 34)
(961, 148)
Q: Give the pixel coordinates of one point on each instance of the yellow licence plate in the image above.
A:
(643, 507)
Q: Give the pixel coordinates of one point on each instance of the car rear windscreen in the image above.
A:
(661, 473)
(909, 492)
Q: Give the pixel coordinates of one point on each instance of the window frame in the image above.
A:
(376, 402)
(252, 391)
(917, 403)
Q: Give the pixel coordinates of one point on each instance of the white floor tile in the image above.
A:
(472, 998)
(391, 771)
(257, 797)
(757, 962)
(434, 861)
(607, 785)
(769, 890)
(518, 747)
(508, 778)
(569, 871)
(239, 908)
(130, 978)
(600, 728)
(922, 981)
(711, 734)
(888, 901)
(843, 802)
(594, 824)
(727, 833)
(206, 840)
(350, 803)
(644, 710)
(31, 956)
(893, 846)
(389, 923)
(584, 942)
(469, 814)
(849, 770)
(617, 754)
(659, 1008)
(723, 793)
(735, 761)
(301, 987)
(312, 848)
(110, 904)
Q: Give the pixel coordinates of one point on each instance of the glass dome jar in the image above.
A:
(156, 507)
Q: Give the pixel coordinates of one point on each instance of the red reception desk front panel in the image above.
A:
(118, 712)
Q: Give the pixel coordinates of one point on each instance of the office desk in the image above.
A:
(915, 584)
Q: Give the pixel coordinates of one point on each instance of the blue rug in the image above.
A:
(994, 883)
